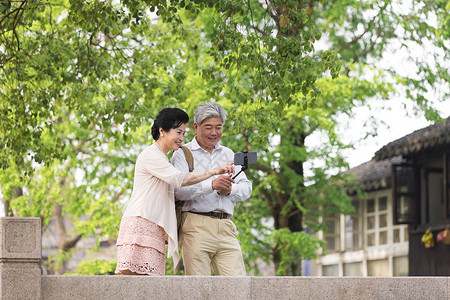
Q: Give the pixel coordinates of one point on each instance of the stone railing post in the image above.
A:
(20, 257)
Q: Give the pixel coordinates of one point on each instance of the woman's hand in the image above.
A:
(226, 168)
(195, 177)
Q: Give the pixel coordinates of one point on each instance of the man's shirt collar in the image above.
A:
(196, 146)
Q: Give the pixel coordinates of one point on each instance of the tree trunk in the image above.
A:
(65, 243)
(294, 218)
(6, 208)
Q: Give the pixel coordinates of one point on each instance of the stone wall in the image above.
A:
(260, 288)
(20, 276)
(20, 256)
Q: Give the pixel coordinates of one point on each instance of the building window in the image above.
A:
(332, 237)
(382, 221)
(379, 267)
(405, 193)
(353, 228)
(401, 266)
(330, 270)
(397, 235)
(400, 234)
(377, 221)
(353, 269)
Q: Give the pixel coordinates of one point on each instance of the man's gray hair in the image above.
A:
(209, 110)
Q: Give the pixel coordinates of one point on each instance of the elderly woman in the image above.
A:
(149, 220)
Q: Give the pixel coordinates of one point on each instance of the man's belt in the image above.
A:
(213, 214)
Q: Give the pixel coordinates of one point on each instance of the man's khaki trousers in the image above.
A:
(208, 243)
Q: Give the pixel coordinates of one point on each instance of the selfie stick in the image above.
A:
(245, 166)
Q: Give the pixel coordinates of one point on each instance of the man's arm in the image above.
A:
(240, 190)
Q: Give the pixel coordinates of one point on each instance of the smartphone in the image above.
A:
(240, 157)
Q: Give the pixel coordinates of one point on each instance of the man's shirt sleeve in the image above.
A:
(242, 188)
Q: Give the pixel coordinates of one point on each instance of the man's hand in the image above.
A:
(222, 184)
(225, 192)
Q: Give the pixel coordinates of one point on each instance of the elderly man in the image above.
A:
(208, 235)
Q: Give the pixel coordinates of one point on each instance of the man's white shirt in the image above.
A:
(201, 197)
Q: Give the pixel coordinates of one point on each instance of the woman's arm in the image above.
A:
(196, 177)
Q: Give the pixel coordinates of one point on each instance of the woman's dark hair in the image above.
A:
(168, 118)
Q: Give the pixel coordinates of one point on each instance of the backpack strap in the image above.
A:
(190, 160)
(179, 204)
(189, 157)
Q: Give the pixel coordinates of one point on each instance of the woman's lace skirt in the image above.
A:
(141, 247)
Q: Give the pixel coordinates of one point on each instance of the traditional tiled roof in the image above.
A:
(375, 175)
(430, 138)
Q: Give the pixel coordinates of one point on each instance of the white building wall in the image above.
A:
(383, 250)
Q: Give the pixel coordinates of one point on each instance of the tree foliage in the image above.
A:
(81, 81)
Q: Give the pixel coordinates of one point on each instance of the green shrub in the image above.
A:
(96, 267)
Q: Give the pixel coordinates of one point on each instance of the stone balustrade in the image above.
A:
(20, 274)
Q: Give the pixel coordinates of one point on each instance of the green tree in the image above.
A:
(78, 112)
(267, 66)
